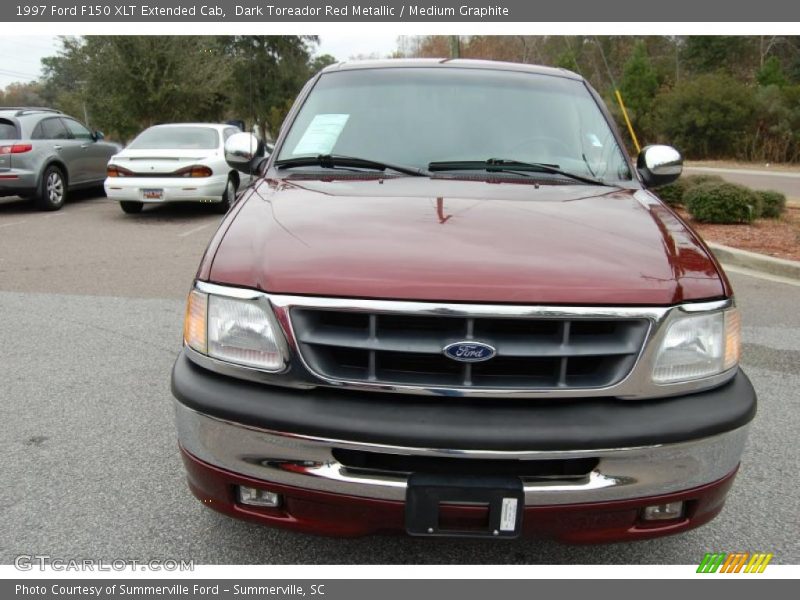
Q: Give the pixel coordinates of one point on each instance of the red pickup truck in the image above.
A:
(449, 305)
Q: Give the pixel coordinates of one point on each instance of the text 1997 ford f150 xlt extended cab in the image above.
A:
(449, 305)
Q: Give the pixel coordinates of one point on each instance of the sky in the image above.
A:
(21, 55)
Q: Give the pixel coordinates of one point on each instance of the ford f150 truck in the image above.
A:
(449, 305)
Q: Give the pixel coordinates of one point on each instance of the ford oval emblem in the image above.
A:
(469, 351)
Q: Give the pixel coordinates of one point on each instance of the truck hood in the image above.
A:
(461, 241)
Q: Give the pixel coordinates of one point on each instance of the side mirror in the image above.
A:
(98, 136)
(659, 165)
(244, 152)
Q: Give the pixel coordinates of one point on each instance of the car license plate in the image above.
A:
(464, 506)
(152, 194)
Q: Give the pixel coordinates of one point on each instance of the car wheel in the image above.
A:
(52, 189)
(131, 207)
(227, 197)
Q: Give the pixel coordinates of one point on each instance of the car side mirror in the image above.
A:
(659, 165)
(244, 152)
(98, 136)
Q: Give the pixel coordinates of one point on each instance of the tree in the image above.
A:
(708, 116)
(428, 46)
(712, 53)
(567, 60)
(64, 81)
(639, 82)
(771, 73)
(128, 83)
(267, 72)
(773, 135)
(320, 62)
(131, 82)
(22, 94)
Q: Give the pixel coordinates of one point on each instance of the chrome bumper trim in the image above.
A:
(307, 462)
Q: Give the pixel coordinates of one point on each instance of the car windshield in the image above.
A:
(176, 138)
(418, 116)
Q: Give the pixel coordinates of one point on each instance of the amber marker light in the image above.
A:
(117, 171)
(194, 323)
(195, 171)
(733, 338)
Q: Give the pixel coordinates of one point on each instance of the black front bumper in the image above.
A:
(448, 422)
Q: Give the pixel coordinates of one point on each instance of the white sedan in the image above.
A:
(181, 162)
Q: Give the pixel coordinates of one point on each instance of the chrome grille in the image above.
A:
(407, 349)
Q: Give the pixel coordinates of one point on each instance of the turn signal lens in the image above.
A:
(733, 339)
(116, 171)
(194, 324)
(195, 171)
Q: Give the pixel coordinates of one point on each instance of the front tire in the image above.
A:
(227, 197)
(131, 207)
(52, 189)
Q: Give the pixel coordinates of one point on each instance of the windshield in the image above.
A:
(178, 138)
(416, 116)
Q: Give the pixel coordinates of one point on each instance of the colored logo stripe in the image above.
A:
(758, 563)
(734, 562)
(711, 562)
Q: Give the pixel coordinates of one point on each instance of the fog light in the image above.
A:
(663, 512)
(256, 497)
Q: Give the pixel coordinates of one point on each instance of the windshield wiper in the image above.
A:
(508, 165)
(331, 161)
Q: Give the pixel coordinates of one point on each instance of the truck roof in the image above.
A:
(452, 63)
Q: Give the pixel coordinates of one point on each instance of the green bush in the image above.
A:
(695, 180)
(673, 193)
(773, 204)
(707, 116)
(715, 202)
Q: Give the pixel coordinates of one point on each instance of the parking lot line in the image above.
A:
(10, 223)
(761, 275)
(195, 230)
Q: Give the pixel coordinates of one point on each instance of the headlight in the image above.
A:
(236, 330)
(697, 346)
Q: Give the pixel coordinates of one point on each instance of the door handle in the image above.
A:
(56, 147)
(84, 146)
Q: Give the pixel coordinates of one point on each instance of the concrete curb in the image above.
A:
(757, 262)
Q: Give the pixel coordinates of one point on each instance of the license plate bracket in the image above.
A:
(502, 497)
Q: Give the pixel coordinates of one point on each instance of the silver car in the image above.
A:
(45, 153)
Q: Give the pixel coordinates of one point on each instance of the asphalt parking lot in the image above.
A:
(91, 302)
